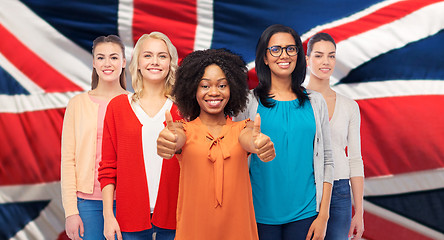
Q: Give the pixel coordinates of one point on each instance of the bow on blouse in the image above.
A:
(218, 148)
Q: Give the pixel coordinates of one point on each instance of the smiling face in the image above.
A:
(282, 66)
(108, 61)
(322, 60)
(213, 93)
(154, 60)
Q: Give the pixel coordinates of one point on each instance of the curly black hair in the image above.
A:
(191, 71)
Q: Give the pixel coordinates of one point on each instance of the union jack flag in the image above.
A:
(389, 58)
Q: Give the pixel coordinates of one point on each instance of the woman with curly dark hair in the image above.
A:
(215, 199)
(191, 71)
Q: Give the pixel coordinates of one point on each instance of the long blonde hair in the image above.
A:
(136, 75)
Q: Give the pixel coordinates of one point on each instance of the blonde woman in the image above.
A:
(146, 185)
(82, 140)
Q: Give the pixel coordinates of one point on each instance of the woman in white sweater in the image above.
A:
(346, 142)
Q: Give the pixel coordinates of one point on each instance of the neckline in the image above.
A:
(97, 100)
(284, 101)
(222, 131)
(334, 110)
(143, 116)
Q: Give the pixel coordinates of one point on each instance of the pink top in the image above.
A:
(97, 192)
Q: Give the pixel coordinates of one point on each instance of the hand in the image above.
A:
(167, 140)
(74, 225)
(357, 224)
(111, 229)
(317, 229)
(263, 144)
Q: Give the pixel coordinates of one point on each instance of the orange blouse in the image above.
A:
(215, 200)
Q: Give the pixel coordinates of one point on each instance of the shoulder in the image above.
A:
(240, 124)
(79, 100)
(119, 100)
(119, 105)
(79, 97)
(316, 99)
(349, 103)
(313, 94)
(251, 98)
(175, 112)
(191, 127)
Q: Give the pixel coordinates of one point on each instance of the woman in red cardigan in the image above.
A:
(145, 185)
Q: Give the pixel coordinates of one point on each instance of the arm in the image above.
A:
(111, 226)
(357, 223)
(73, 222)
(356, 171)
(253, 141)
(107, 176)
(171, 139)
(319, 226)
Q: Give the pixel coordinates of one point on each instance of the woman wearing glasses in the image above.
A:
(345, 131)
(291, 194)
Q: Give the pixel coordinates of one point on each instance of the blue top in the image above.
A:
(284, 189)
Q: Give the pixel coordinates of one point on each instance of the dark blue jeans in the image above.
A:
(145, 235)
(289, 231)
(91, 213)
(163, 233)
(159, 233)
(340, 211)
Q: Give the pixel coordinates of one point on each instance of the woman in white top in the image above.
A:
(146, 193)
(346, 142)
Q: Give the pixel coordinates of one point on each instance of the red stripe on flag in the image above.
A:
(32, 65)
(252, 78)
(396, 133)
(385, 15)
(32, 151)
(377, 227)
(181, 28)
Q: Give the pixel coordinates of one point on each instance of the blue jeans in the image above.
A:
(145, 235)
(340, 211)
(296, 230)
(163, 233)
(159, 233)
(91, 213)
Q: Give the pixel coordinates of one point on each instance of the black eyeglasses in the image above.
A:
(276, 51)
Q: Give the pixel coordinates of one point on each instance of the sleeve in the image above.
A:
(108, 164)
(243, 125)
(354, 142)
(68, 162)
(328, 152)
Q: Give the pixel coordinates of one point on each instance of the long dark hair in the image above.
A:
(108, 39)
(262, 91)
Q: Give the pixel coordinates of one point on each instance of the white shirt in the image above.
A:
(345, 127)
(151, 127)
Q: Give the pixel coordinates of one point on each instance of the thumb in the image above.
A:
(169, 121)
(257, 126)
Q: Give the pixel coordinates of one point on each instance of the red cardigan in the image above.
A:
(123, 165)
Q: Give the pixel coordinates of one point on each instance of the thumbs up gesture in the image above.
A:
(170, 139)
(261, 142)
